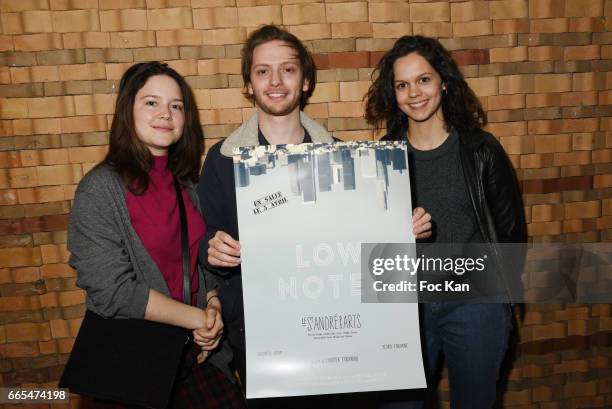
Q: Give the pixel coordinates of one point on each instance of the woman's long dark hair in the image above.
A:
(460, 106)
(128, 155)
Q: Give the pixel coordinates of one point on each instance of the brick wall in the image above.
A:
(541, 68)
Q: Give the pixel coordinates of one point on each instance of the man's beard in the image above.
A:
(278, 110)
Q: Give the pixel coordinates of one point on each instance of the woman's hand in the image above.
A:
(421, 223)
(209, 336)
(223, 250)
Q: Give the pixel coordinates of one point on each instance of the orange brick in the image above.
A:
(218, 17)
(317, 110)
(221, 116)
(583, 52)
(306, 13)
(546, 213)
(75, 20)
(20, 303)
(508, 54)
(123, 20)
(516, 84)
(346, 109)
(41, 195)
(54, 253)
(473, 28)
(354, 29)
(27, 332)
(553, 83)
(92, 123)
(169, 19)
(433, 29)
(13, 108)
(582, 210)
(86, 40)
(183, 67)
(391, 30)
(468, 11)
(587, 81)
(50, 107)
(346, 12)
(178, 37)
(546, 8)
(353, 91)
(122, 4)
(580, 389)
(203, 98)
(517, 144)
(583, 8)
(550, 25)
(22, 177)
(44, 74)
(228, 98)
(429, 12)
(389, 12)
(545, 53)
(506, 101)
(48, 347)
(95, 104)
(22, 5)
(553, 143)
(517, 398)
(92, 154)
(67, 298)
(600, 181)
(12, 23)
(38, 21)
(311, 31)
(38, 42)
(81, 72)
(484, 86)
(57, 271)
(535, 161)
(224, 36)
(59, 174)
(508, 9)
(510, 26)
(73, 4)
(326, 92)
(132, 39)
(507, 128)
(578, 98)
(256, 16)
(586, 24)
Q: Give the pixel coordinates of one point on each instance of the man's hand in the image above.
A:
(223, 250)
(421, 223)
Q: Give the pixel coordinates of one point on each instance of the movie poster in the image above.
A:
(304, 211)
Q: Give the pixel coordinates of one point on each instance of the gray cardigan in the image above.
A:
(112, 265)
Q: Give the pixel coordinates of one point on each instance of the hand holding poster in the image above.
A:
(304, 211)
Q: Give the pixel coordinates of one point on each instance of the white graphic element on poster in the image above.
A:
(303, 212)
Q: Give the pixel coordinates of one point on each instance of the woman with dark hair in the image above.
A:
(133, 256)
(464, 179)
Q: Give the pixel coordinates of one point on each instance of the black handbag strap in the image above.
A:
(184, 244)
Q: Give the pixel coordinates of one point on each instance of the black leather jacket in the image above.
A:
(496, 201)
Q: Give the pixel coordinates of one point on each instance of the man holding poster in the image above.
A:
(279, 77)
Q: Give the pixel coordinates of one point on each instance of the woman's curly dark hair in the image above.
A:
(460, 106)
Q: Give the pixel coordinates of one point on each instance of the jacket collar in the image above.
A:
(246, 134)
(472, 140)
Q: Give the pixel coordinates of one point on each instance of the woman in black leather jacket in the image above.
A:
(462, 176)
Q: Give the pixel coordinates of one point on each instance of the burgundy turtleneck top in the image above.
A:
(155, 217)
